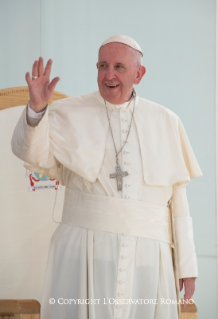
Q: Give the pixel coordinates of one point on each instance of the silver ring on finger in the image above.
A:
(34, 77)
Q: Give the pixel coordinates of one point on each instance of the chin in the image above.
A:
(111, 98)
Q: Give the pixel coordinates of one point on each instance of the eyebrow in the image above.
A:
(119, 63)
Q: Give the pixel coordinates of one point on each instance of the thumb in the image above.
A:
(28, 79)
(53, 84)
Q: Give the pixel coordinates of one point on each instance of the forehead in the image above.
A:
(116, 51)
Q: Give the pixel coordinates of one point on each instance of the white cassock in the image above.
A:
(113, 260)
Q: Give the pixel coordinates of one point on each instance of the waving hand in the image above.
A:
(40, 87)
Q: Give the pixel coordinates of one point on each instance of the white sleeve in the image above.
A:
(33, 114)
(187, 261)
(32, 144)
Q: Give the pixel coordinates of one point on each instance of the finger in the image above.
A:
(180, 284)
(189, 287)
(40, 67)
(28, 78)
(193, 289)
(188, 294)
(35, 68)
(188, 291)
(53, 84)
(48, 67)
(185, 302)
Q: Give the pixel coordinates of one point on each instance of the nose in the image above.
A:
(110, 74)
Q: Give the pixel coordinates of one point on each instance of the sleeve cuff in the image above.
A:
(187, 260)
(33, 114)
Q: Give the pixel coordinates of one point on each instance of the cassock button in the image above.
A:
(126, 196)
(124, 120)
(119, 294)
(123, 257)
(124, 234)
(121, 281)
(118, 306)
(122, 269)
(124, 245)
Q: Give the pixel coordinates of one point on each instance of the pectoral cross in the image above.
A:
(119, 177)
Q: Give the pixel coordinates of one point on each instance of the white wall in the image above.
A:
(20, 40)
(178, 40)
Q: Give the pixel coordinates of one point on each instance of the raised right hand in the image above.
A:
(40, 89)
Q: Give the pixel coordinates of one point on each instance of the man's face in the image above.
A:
(117, 72)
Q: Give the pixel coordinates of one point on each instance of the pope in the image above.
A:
(126, 231)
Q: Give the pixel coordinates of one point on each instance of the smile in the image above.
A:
(112, 86)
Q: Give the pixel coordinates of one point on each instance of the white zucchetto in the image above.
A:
(125, 40)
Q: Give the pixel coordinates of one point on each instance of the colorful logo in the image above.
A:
(37, 181)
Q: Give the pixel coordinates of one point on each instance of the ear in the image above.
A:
(97, 65)
(139, 75)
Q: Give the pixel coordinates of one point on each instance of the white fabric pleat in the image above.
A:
(92, 272)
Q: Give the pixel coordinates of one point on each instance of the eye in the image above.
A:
(103, 65)
(120, 67)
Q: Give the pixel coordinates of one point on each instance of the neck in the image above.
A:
(132, 95)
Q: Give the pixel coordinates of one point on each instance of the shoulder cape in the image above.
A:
(78, 131)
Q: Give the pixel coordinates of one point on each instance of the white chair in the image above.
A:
(26, 221)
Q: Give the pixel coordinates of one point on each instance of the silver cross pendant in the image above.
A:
(119, 177)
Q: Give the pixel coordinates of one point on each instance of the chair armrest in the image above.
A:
(189, 312)
(20, 308)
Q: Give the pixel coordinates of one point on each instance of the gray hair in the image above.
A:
(137, 57)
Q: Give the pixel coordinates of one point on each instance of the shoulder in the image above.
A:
(157, 110)
(80, 101)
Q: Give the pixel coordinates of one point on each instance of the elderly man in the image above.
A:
(125, 243)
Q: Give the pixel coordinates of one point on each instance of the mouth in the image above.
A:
(111, 86)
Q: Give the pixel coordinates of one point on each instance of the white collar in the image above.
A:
(127, 105)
